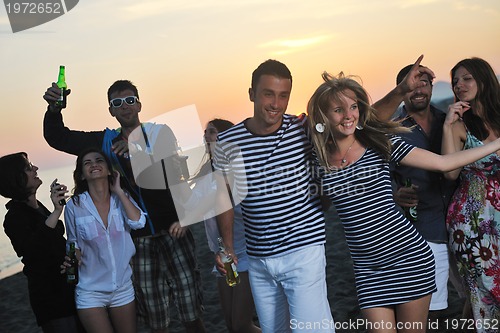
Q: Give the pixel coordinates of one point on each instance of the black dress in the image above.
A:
(42, 250)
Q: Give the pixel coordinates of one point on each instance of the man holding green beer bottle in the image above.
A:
(165, 262)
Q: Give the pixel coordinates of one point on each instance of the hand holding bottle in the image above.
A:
(411, 211)
(58, 194)
(66, 263)
(406, 196)
(219, 265)
(227, 260)
(120, 147)
(57, 94)
(52, 94)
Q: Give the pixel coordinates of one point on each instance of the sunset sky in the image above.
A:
(202, 53)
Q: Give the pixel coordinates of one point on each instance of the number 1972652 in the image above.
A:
(34, 8)
(471, 324)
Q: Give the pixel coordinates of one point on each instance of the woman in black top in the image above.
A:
(37, 236)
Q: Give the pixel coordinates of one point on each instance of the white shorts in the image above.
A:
(96, 299)
(439, 300)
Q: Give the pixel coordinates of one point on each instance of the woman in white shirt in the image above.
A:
(98, 219)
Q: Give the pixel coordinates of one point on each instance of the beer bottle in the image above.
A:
(61, 83)
(232, 277)
(411, 212)
(72, 272)
(62, 202)
(183, 163)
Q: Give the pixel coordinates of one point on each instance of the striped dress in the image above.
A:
(272, 175)
(392, 262)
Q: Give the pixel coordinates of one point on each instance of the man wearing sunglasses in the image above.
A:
(165, 261)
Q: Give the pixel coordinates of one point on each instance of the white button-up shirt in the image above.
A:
(106, 252)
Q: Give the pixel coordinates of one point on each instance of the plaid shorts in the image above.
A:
(165, 269)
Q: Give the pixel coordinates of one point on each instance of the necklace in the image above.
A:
(343, 160)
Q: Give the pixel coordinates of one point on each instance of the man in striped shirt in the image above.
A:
(268, 157)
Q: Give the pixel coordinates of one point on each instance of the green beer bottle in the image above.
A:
(72, 272)
(61, 83)
(411, 212)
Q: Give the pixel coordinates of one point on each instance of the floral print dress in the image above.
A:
(473, 223)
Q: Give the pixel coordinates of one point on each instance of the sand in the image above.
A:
(16, 315)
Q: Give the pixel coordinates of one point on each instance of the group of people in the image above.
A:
(457, 210)
(352, 148)
(135, 257)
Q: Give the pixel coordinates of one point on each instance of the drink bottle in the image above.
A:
(183, 163)
(72, 272)
(62, 202)
(56, 185)
(61, 83)
(411, 212)
(232, 277)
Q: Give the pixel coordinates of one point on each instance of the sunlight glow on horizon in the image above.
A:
(294, 45)
(186, 52)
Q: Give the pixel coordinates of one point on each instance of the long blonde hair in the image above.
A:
(371, 132)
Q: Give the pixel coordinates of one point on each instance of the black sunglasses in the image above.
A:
(117, 102)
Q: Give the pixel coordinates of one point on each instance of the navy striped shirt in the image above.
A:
(272, 174)
(393, 263)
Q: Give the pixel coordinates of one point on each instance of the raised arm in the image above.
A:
(132, 212)
(57, 195)
(60, 137)
(389, 103)
(454, 134)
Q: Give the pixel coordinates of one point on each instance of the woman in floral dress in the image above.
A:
(393, 264)
(474, 213)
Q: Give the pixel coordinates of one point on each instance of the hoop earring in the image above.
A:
(359, 127)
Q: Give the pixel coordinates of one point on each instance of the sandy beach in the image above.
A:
(16, 315)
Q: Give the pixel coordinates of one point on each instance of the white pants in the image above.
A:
(290, 291)
(439, 300)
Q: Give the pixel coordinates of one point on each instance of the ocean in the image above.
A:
(9, 262)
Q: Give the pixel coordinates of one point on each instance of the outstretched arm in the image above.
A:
(424, 159)
(389, 103)
(60, 137)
